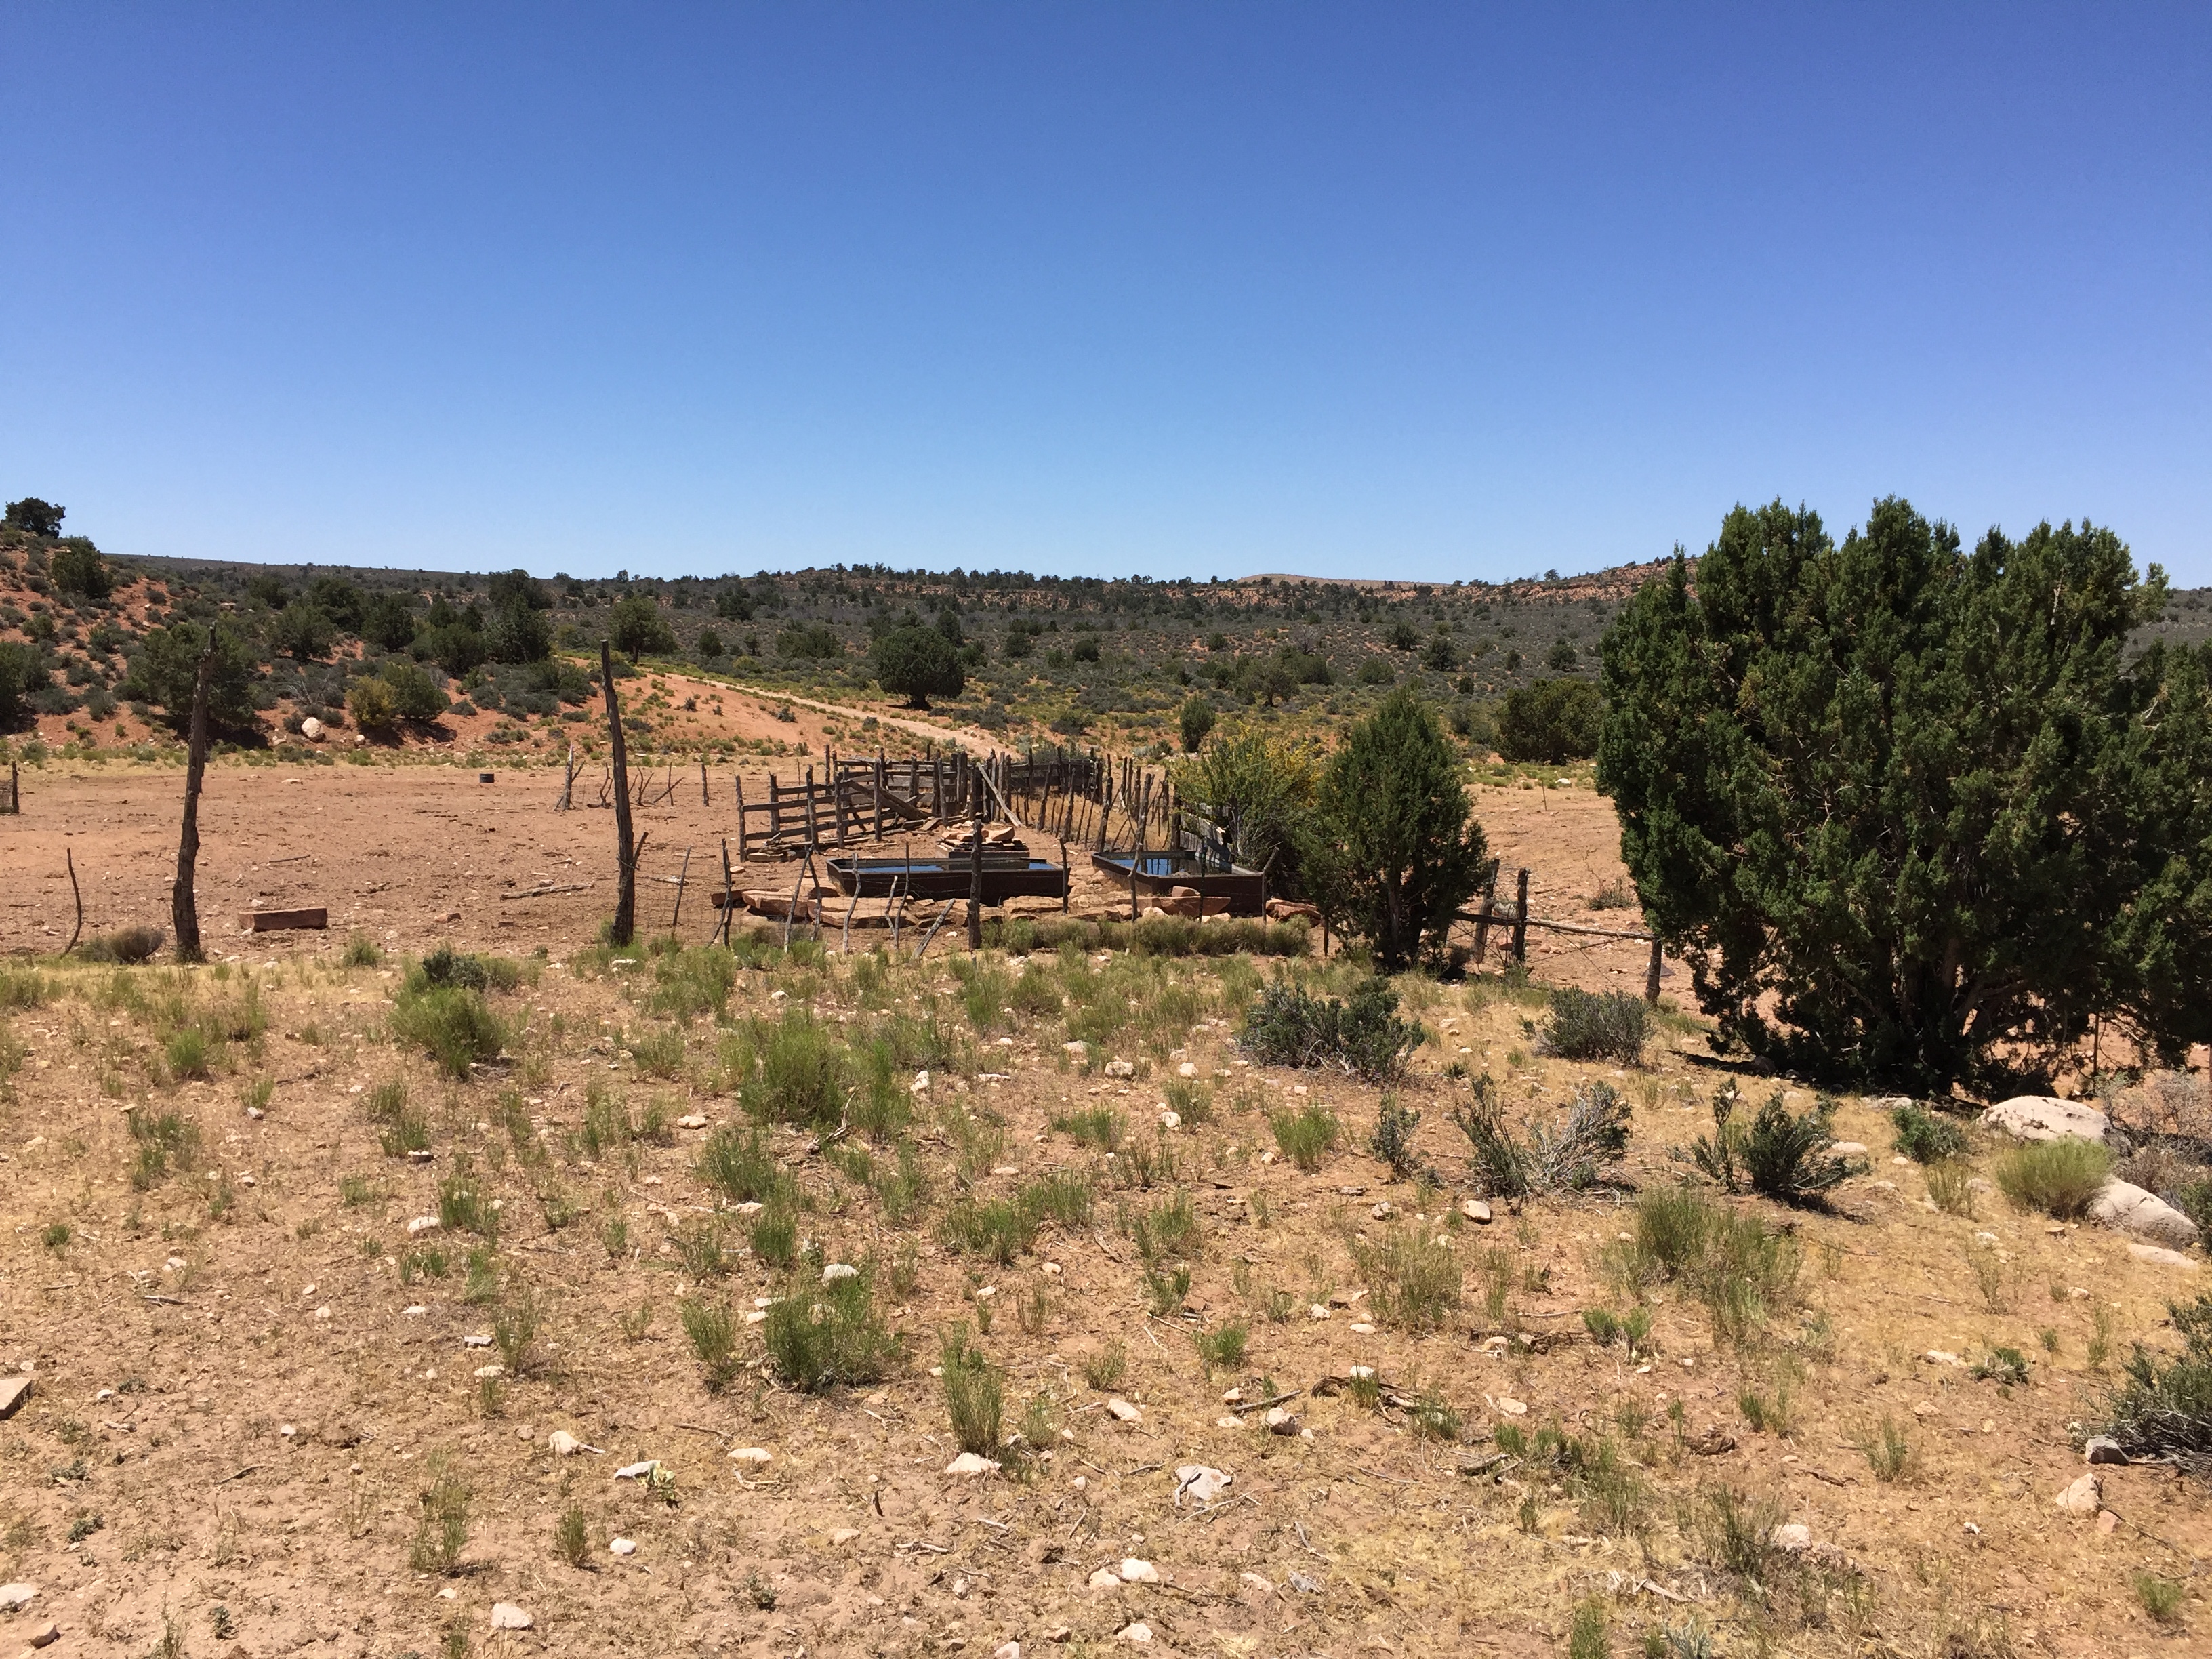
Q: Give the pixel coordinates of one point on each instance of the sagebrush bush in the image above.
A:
(1577, 1154)
(1780, 1156)
(1925, 1138)
(1742, 1271)
(738, 1164)
(454, 1023)
(1412, 1279)
(798, 1074)
(1305, 1136)
(464, 969)
(1363, 1035)
(1608, 1026)
(975, 1393)
(713, 1335)
(831, 1334)
(2058, 1178)
(2163, 1409)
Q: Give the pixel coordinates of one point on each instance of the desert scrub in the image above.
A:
(1413, 1279)
(1392, 1138)
(2163, 1406)
(459, 969)
(1925, 1138)
(1096, 1126)
(797, 1073)
(737, 1163)
(1571, 1156)
(2058, 1178)
(1363, 1035)
(441, 1527)
(1779, 1156)
(693, 981)
(975, 1393)
(1741, 1271)
(833, 1333)
(712, 1336)
(1593, 1025)
(161, 1139)
(1305, 1136)
(454, 1023)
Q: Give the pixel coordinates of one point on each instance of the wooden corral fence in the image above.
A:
(1512, 913)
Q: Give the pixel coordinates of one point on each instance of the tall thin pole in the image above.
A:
(625, 923)
(976, 882)
(184, 906)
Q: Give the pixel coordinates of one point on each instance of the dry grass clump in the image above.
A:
(2058, 1178)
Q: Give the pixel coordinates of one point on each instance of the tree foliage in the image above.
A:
(1396, 850)
(918, 664)
(1553, 720)
(77, 567)
(638, 630)
(168, 666)
(20, 674)
(1258, 789)
(1911, 813)
(36, 517)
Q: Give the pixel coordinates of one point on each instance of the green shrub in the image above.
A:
(713, 1337)
(1553, 720)
(998, 1230)
(161, 1139)
(1363, 1035)
(696, 980)
(447, 967)
(1612, 1026)
(2162, 1598)
(1780, 1156)
(1413, 1281)
(2059, 1177)
(658, 1054)
(2163, 1408)
(1222, 1350)
(186, 1052)
(1925, 1138)
(455, 1025)
(775, 1236)
(1305, 1136)
(831, 1334)
(800, 1074)
(738, 1164)
(571, 1540)
(441, 1529)
(1392, 1139)
(974, 1394)
(361, 952)
(463, 1206)
(1739, 1270)
(1097, 1125)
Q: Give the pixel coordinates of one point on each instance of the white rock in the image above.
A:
(483, 1371)
(1122, 1412)
(476, 1342)
(505, 1615)
(1140, 1632)
(1187, 1069)
(423, 1224)
(2103, 1448)
(1253, 1581)
(1008, 1650)
(1317, 1311)
(921, 1084)
(1104, 1578)
(842, 1536)
(837, 1270)
(1201, 1482)
(1230, 1422)
(758, 1456)
(1938, 1356)
(1791, 1535)
(971, 1463)
(1383, 1210)
(323, 1312)
(1848, 1148)
(1280, 1420)
(1475, 1210)
(1512, 1407)
(2132, 1210)
(637, 1471)
(1170, 1120)
(2162, 1256)
(2046, 1117)
(1121, 1068)
(692, 1120)
(1077, 1050)
(1133, 1572)
(563, 1444)
(2085, 1496)
(622, 1545)
(312, 729)
(14, 1596)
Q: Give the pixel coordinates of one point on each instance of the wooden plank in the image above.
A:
(278, 921)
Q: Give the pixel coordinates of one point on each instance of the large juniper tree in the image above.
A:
(1911, 813)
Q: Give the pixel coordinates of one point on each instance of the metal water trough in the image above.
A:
(1003, 878)
(1159, 873)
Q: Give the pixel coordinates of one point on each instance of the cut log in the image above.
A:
(278, 921)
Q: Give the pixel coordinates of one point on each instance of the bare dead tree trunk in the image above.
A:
(625, 923)
(184, 906)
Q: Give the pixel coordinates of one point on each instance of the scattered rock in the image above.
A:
(2085, 1496)
(1792, 1535)
(1170, 1120)
(622, 1545)
(2163, 1256)
(1281, 1420)
(1008, 1650)
(1201, 1482)
(476, 1342)
(638, 1471)
(1077, 1050)
(1120, 1068)
(2103, 1448)
(692, 1120)
(311, 730)
(1475, 1210)
(49, 1633)
(1139, 1632)
(2046, 1117)
(15, 1596)
(2107, 1522)
(1715, 1442)
(1938, 1356)
(1187, 1069)
(1512, 1407)
(1383, 1210)
(1104, 1578)
(754, 1456)
(837, 1270)
(842, 1536)
(423, 1224)
(1133, 1572)
(1253, 1581)
(971, 1463)
(1302, 1584)
(14, 1391)
(2132, 1210)
(565, 1444)
(1848, 1148)
(505, 1615)
(1122, 1412)
(1317, 1311)
(1058, 1633)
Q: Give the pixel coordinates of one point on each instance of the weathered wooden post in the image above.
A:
(1521, 918)
(624, 927)
(976, 882)
(184, 906)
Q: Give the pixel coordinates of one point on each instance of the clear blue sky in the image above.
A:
(1353, 290)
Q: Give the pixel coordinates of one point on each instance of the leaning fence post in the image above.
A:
(1521, 918)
